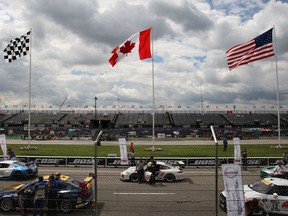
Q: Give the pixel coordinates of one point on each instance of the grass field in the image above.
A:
(167, 151)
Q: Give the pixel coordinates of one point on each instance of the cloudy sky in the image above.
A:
(72, 42)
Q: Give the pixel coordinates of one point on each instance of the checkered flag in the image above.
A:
(17, 48)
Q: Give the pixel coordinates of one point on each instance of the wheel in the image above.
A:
(6, 204)
(134, 177)
(170, 177)
(65, 206)
(18, 175)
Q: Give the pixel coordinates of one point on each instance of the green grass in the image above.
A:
(167, 151)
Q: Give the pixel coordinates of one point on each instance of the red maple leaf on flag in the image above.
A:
(127, 47)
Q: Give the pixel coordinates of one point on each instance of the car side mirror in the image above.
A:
(275, 195)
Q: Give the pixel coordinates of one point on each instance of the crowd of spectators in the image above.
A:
(187, 124)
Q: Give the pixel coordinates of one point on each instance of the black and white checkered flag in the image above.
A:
(17, 48)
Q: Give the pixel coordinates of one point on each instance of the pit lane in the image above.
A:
(195, 195)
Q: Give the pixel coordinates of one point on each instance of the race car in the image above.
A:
(268, 171)
(12, 169)
(72, 193)
(166, 172)
(272, 192)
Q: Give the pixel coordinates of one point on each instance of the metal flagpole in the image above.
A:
(277, 84)
(29, 114)
(202, 109)
(216, 170)
(153, 89)
(95, 173)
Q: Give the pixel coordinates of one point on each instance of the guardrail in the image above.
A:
(115, 161)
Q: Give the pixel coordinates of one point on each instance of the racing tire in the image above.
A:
(134, 177)
(170, 177)
(18, 175)
(6, 204)
(65, 206)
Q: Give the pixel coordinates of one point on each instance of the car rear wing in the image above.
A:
(86, 184)
(180, 164)
(88, 179)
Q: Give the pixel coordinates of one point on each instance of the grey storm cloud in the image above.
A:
(72, 42)
(185, 14)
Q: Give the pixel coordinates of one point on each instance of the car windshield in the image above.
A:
(261, 187)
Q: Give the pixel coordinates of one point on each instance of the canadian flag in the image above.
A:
(141, 40)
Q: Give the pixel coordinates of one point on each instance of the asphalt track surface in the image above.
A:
(194, 195)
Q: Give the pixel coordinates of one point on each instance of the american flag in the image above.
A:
(17, 48)
(256, 49)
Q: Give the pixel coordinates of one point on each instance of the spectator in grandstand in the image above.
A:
(225, 144)
(11, 154)
(244, 155)
(279, 168)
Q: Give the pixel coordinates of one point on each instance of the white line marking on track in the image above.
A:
(143, 193)
(80, 170)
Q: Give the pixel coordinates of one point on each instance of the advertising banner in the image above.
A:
(123, 151)
(3, 145)
(232, 174)
(237, 151)
(116, 161)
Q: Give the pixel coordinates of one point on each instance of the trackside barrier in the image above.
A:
(115, 161)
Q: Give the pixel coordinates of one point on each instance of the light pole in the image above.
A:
(96, 108)
(118, 104)
(95, 172)
(216, 171)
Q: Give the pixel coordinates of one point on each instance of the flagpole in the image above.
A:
(202, 109)
(153, 90)
(277, 84)
(216, 169)
(29, 114)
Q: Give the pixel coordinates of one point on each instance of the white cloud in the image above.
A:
(72, 42)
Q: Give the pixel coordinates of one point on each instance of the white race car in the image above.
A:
(166, 173)
(273, 192)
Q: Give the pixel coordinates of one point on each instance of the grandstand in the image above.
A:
(199, 120)
(142, 121)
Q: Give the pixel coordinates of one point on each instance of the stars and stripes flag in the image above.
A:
(17, 48)
(256, 49)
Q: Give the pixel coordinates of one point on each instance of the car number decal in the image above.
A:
(275, 206)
